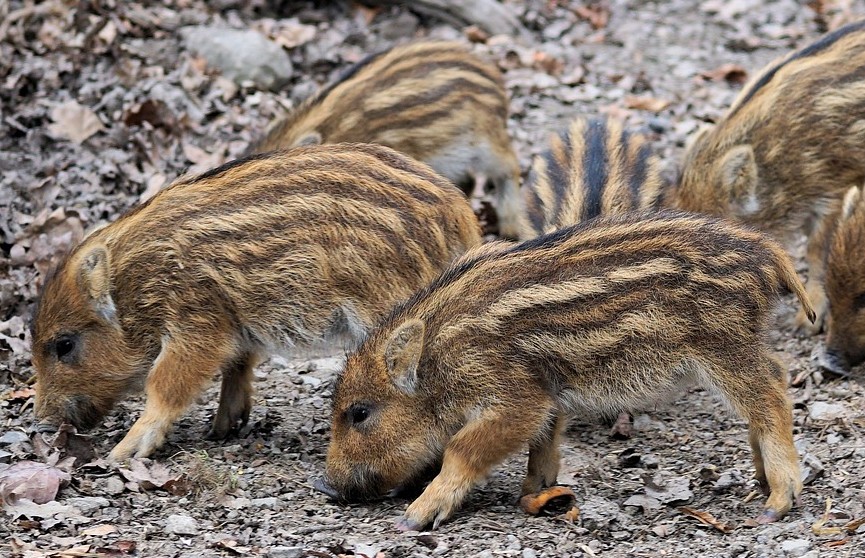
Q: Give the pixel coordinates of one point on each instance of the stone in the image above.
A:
(241, 55)
(88, 504)
(270, 503)
(181, 525)
(825, 411)
(284, 552)
(14, 436)
(795, 547)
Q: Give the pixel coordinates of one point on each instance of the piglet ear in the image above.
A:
(310, 138)
(94, 277)
(402, 354)
(851, 200)
(739, 173)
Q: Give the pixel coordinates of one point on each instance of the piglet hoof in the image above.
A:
(768, 516)
(556, 499)
(406, 524)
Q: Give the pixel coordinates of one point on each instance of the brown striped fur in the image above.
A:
(274, 252)
(432, 100)
(845, 284)
(594, 168)
(611, 315)
(787, 150)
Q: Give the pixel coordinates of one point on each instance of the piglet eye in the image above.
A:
(358, 414)
(859, 302)
(64, 347)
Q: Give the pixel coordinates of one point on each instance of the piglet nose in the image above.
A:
(324, 487)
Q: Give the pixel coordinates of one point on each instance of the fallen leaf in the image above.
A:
(548, 63)
(99, 530)
(598, 15)
(31, 480)
(675, 489)
(835, 544)
(646, 502)
(475, 34)
(74, 122)
(646, 103)
(854, 525)
(28, 508)
(25, 393)
(732, 73)
(554, 497)
(365, 13)
(75, 552)
(155, 476)
(292, 33)
(707, 519)
(232, 546)
(154, 112)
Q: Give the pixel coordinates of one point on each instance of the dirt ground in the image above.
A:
(146, 109)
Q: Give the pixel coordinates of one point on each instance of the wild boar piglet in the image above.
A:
(845, 286)
(432, 100)
(789, 147)
(596, 167)
(608, 316)
(276, 252)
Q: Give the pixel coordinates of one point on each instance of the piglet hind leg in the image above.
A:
(539, 492)
(178, 375)
(235, 397)
(468, 458)
(761, 398)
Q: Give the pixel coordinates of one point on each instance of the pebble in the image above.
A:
(88, 504)
(284, 552)
(181, 525)
(114, 486)
(13, 436)
(795, 547)
(241, 55)
(270, 503)
(529, 553)
(825, 411)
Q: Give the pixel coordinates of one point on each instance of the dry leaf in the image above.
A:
(31, 480)
(548, 63)
(99, 530)
(475, 34)
(28, 508)
(79, 551)
(293, 34)
(553, 497)
(732, 73)
(74, 122)
(156, 476)
(597, 16)
(707, 519)
(646, 103)
(17, 394)
(365, 13)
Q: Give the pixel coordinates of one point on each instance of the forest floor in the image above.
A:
(103, 102)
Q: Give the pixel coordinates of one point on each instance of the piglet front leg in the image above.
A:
(471, 453)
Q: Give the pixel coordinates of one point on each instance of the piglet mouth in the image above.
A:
(346, 494)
